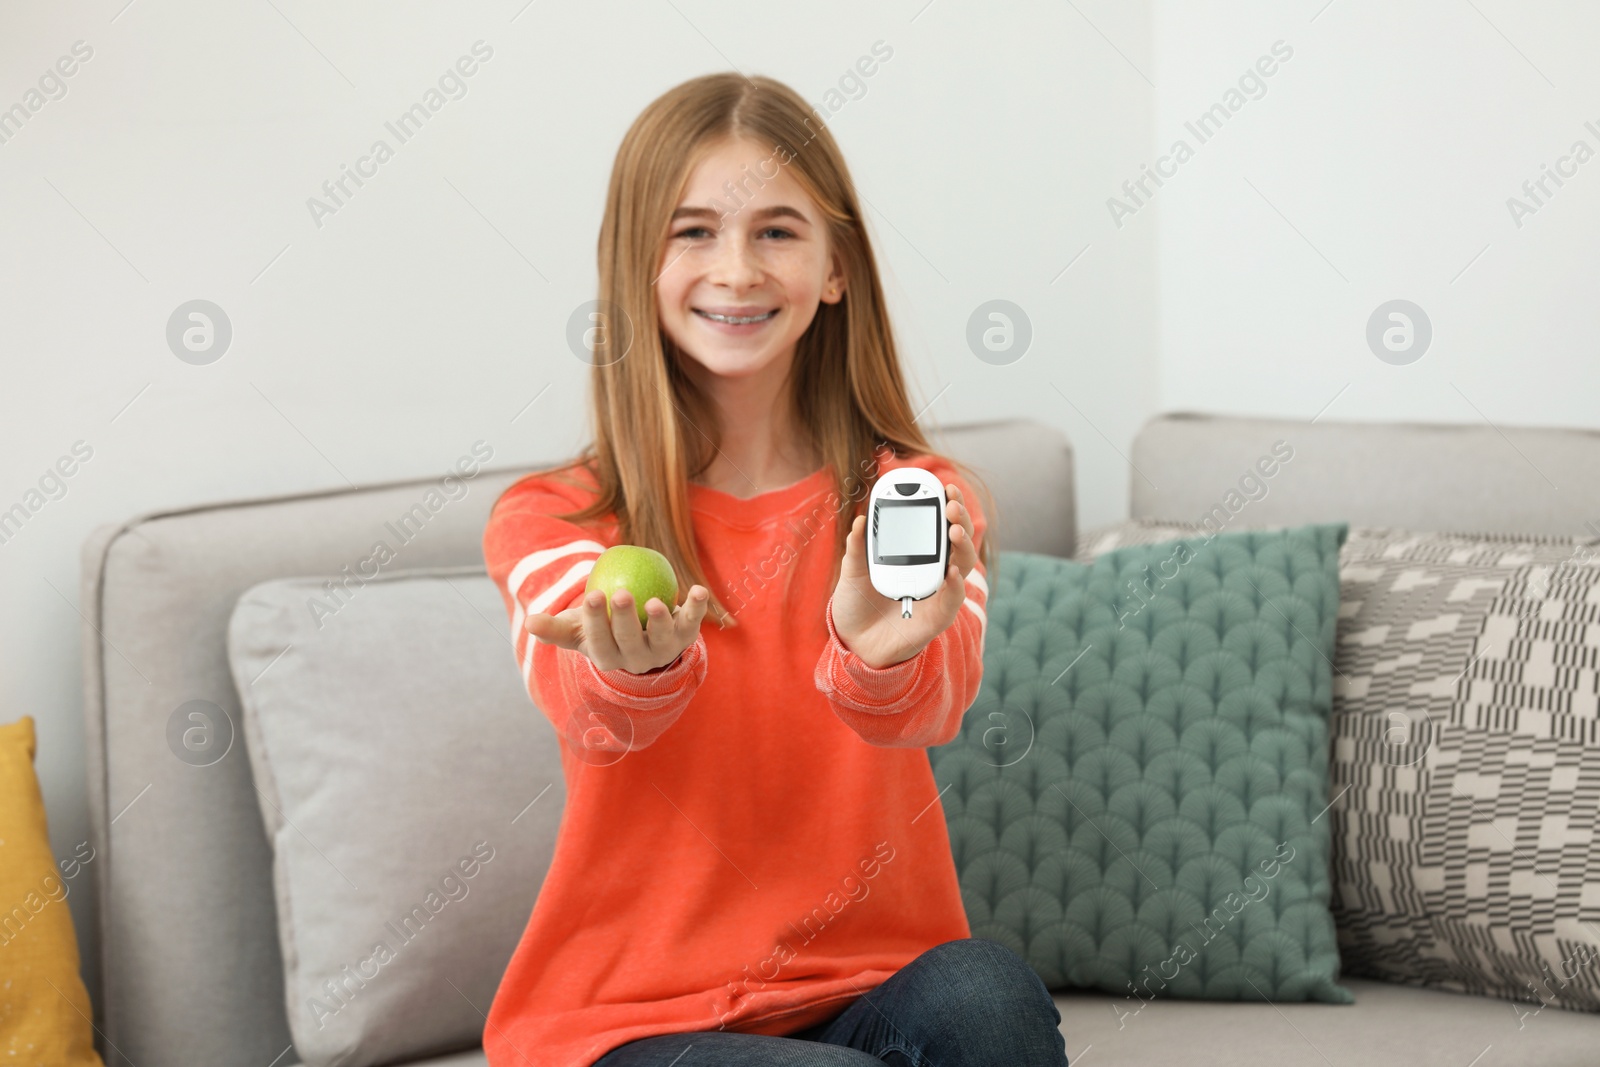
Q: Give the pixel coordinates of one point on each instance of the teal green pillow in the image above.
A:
(1138, 798)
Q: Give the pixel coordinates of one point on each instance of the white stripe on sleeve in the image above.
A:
(578, 572)
(983, 618)
(544, 557)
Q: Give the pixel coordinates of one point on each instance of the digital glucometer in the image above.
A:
(908, 537)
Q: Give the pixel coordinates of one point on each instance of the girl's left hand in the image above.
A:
(869, 623)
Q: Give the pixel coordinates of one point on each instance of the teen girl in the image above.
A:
(752, 866)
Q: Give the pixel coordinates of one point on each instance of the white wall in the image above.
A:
(1390, 141)
(383, 343)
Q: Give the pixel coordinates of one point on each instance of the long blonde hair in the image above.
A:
(653, 429)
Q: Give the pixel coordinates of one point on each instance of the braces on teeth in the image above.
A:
(736, 320)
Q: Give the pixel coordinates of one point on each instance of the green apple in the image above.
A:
(643, 572)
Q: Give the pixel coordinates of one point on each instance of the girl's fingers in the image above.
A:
(946, 603)
(601, 645)
(658, 631)
(625, 628)
(559, 630)
(686, 622)
(963, 553)
(962, 549)
(855, 548)
(956, 509)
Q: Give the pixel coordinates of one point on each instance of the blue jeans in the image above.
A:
(966, 1003)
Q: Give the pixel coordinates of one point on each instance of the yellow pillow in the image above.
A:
(44, 1008)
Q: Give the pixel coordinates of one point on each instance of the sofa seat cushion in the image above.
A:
(1387, 1026)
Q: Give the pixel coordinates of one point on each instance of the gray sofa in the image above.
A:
(190, 956)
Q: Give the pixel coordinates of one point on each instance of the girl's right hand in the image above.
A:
(621, 643)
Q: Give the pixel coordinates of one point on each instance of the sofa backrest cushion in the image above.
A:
(1254, 472)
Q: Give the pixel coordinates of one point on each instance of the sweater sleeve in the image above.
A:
(541, 564)
(920, 702)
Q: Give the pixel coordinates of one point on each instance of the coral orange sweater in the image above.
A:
(752, 836)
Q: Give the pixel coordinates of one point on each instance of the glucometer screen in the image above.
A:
(908, 532)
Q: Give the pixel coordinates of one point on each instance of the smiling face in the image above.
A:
(740, 283)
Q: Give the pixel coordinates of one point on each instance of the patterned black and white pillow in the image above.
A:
(1466, 759)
